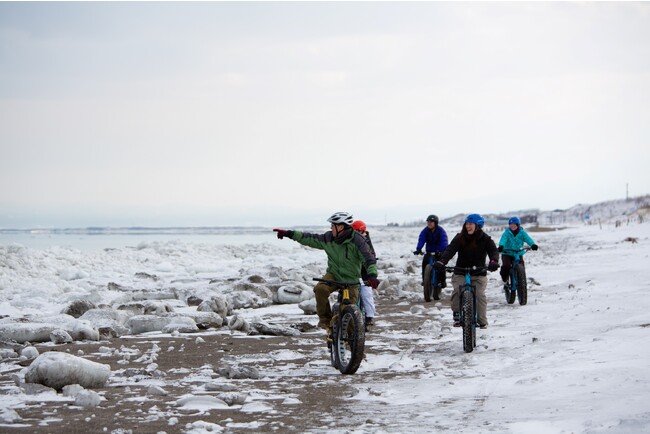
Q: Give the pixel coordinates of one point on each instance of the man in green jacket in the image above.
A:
(347, 251)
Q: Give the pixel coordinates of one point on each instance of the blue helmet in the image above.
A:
(514, 220)
(476, 219)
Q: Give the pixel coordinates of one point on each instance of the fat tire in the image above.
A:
(522, 285)
(350, 339)
(436, 287)
(427, 283)
(467, 321)
(336, 310)
(509, 289)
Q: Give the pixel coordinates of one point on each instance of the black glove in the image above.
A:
(373, 282)
(439, 266)
(282, 233)
(534, 247)
(493, 266)
(500, 248)
(417, 252)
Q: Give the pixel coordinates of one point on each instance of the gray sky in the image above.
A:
(282, 113)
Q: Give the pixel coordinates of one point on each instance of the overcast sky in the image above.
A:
(281, 113)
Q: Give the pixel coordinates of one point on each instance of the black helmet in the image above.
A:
(433, 218)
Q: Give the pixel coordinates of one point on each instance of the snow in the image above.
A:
(575, 359)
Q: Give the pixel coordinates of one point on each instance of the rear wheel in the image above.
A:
(428, 283)
(522, 286)
(349, 341)
(467, 321)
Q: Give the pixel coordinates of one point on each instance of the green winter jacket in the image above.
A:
(344, 258)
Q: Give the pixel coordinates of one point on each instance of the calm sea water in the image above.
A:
(98, 239)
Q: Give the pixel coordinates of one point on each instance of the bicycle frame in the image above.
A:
(469, 324)
(431, 287)
(346, 340)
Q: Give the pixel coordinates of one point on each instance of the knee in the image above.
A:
(321, 291)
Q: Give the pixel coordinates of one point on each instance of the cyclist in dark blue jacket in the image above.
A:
(435, 238)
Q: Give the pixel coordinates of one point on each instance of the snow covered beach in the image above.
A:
(572, 360)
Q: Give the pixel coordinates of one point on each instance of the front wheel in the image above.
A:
(509, 290)
(522, 286)
(349, 340)
(467, 321)
(428, 282)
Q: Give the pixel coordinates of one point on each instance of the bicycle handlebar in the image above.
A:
(466, 270)
(336, 284)
(523, 249)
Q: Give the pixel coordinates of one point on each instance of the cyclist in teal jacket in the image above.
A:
(347, 251)
(513, 239)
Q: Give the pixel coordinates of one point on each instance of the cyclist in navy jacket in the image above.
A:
(435, 238)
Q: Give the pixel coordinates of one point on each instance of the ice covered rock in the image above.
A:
(262, 291)
(157, 307)
(60, 336)
(87, 399)
(29, 353)
(237, 323)
(308, 306)
(78, 307)
(166, 324)
(273, 330)
(220, 387)
(296, 292)
(247, 300)
(83, 331)
(181, 324)
(146, 323)
(35, 389)
(201, 403)
(109, 322)
(27, 332)
(57, 370)
(205, 320)
(7, 353)
(239, 372)
(217, 304)
(72, 390)
(8, 415)
(156, 391)
(233, 398)
(256, 278)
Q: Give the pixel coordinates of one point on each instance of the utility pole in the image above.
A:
(626, 191)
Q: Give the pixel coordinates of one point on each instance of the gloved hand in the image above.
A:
(500, 248)
(534, 247)
(373, 282)
(493, 266)
(282, 233)
(417, 252)
(439, 266)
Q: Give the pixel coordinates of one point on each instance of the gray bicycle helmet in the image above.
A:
(341, 218)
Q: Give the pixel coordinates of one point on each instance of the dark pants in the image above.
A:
(507, 262)
(441, 275)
